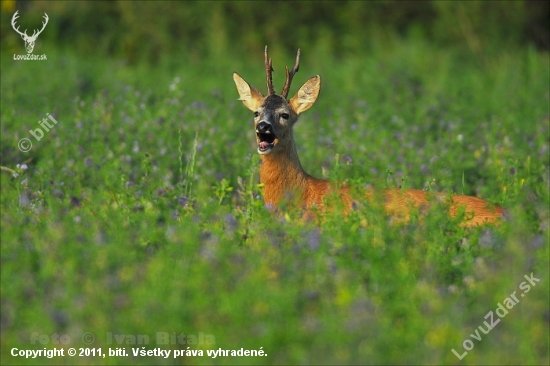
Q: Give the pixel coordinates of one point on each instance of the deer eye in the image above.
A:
(285, 115)
(256, 114)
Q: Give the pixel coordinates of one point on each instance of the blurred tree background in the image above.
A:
(151, 31)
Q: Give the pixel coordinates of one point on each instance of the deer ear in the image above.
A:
(250, 97)
(307, 95)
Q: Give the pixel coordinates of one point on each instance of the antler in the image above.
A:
(13, 19)
(24, 34)
(289, 76)
(43, 26)
(268, 74)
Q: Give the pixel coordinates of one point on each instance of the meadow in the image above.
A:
(137, 221)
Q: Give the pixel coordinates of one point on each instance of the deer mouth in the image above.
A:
(266, 137)
(266, 142)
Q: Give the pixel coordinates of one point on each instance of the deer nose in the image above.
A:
(264, 127)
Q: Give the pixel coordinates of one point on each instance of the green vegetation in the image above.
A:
(140, 214)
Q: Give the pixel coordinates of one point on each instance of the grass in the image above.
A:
(140, 215)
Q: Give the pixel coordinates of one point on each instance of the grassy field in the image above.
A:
(136, 221)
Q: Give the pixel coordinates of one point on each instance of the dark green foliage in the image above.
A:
(151, 31)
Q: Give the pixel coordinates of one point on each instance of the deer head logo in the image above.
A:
(29, 40)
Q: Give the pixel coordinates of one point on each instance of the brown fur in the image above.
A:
(284, 179)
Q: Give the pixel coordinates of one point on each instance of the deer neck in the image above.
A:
(282, 174)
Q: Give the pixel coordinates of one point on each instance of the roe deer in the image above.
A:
(281, 172)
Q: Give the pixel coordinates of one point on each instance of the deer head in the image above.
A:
(274, 115)
(29, 40)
